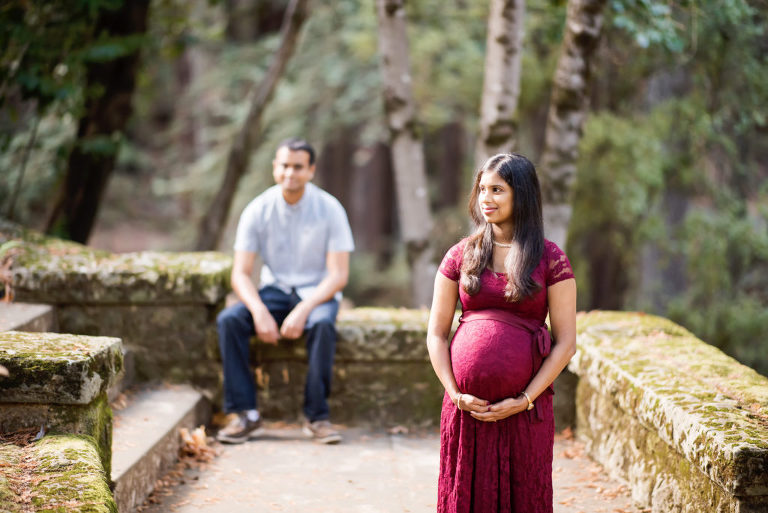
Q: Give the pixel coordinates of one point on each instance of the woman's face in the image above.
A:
(495, 197)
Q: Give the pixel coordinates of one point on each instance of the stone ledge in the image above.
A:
(63, 473)
(50, 270)
(146, 438)
(51, 368)
(26, 317)
(712, 410)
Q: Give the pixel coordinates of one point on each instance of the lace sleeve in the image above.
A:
(559, 267)
(451, 264)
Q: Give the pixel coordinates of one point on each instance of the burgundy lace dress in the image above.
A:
(503, 466)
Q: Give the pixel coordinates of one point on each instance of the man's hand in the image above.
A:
(502, 409)
(266, 327)
(293, 325)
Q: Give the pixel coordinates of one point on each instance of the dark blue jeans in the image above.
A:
(236, 328)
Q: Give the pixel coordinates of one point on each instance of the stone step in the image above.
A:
(146, 441)
(27, 317)
(127, 377)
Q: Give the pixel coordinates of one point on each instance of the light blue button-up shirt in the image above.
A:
(293, 240)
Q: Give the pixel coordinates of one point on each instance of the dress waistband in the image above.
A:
(540, 338)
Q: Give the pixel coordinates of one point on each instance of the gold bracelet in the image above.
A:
(458, 401)
(528, 398)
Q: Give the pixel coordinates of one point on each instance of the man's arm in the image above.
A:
(242, 268)
(337, 264)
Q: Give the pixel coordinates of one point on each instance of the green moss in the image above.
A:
(63, 474)
(51, 367)
(93, 420)
(709, 411)
(73, 478)
(11, 455)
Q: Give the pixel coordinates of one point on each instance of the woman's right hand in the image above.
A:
(468, 402)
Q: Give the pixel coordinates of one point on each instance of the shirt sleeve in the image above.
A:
(451, 264)
(340, 239)
(559, 267)
(247, 236)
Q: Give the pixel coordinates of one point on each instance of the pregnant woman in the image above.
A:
(497, 423)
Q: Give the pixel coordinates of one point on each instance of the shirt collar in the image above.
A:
(299, 205)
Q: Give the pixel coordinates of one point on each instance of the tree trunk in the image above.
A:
(501, 85)
(567, 111)
(448, 147)
(407, 150)
(99, 131)
(247, 140)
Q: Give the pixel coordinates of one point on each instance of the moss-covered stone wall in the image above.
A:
(685, 424)
(59, 382)
(162, 305)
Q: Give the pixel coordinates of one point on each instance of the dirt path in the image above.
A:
(369, 472)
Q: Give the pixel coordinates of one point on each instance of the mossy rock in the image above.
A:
(59, 473)
(709, 409)
(52, 368)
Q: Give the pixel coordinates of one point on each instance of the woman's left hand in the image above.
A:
(502, 409)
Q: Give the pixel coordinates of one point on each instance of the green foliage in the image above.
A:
(684, 119)
(621, 172)
(726, 301)
(649, 23)
(46, 45)
(46, 161)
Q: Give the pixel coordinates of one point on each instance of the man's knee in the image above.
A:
(229, 318)
(225, 318)
(322, 325)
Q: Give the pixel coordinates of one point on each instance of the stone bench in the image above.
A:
(58, 383)
(684, 424)
(382, 375)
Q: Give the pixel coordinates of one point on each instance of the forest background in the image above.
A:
(670, 202)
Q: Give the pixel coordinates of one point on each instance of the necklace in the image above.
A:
(503, 245)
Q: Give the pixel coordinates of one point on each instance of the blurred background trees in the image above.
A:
(669, 207)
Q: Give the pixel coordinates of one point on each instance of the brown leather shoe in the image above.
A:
(239, 430)
(321, 432)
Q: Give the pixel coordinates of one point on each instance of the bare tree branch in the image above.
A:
(247, 140)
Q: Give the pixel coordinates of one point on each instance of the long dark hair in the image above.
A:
(528, 236)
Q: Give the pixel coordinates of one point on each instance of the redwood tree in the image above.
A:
(567, 110)
(109, 90)
(501, 85)
(407, 148)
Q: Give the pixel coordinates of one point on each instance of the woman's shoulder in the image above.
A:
(552, 249)
(451, 263)
(558, 266)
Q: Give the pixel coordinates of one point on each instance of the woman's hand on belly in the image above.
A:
(502, 409)
(471, 403)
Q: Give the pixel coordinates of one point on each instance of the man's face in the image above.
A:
(291, 169)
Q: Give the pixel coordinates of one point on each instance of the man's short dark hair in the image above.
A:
(296, 144)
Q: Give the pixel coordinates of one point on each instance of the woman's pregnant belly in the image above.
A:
(491, 359)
